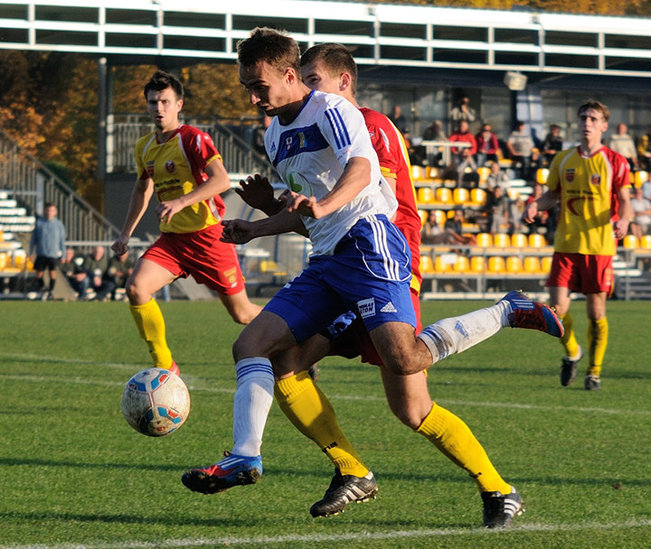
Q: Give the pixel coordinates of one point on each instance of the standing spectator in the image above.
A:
(497, 178)
(552, 144)
(521, 150)
(399, 121)
(641, 213)
(118, 271)
(498, 208)
(181, 166)
(72, 267)
(463, 111)
(590, 182)
(464, 136)
(487, 145)
(46, 247)
(644, 150)
(623, 143)
(96, 266)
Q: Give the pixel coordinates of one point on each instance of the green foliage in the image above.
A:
(72, 473)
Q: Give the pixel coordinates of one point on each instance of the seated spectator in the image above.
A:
(96, 265)
(646, 189)
(487, 145)
(450, 235)
(72, 266)
(641, 213)
(498, 208)
(515, 216)
(552, 144)
(497, 178)
(521, 150)
(118, 271)
(463, 135)
(644, 150)
(467, 175)
(434, 132)
(623, 143)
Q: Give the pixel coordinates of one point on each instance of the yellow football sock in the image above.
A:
(453, 437)
(597, 343)
(151, 326)
(312, 414)
(569, 338)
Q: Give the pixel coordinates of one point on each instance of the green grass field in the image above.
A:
(74, 474)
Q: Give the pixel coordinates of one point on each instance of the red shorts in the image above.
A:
(202, 255)
(355, 341)
(587, 274)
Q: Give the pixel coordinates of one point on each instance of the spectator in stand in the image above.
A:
(487, 145)
(641, 213)
(399, 121)
(521, 149)
(644, 150)
(96, 265)
(433, 233)
(623, 143)
(72, 267)
(497, 178)
(515, 216)
(118, 271)
(46, 247)
(462, 135)
(463, 111)
(552, 144)
(646, 189)
(498, 208)
(434, 132)
(467, 175)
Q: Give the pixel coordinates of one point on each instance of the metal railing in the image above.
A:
(33, 185)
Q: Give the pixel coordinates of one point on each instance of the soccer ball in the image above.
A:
(155, 402)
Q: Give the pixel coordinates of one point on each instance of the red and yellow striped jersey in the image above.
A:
(588, 188)
(177, 168)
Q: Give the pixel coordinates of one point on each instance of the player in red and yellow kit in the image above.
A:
(590, 182)
(181, 165)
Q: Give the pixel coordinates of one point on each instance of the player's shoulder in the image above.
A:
(612, 156)
(142, 141)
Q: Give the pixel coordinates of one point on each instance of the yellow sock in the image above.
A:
(312, 414)
(569, 339)
(151, 326)
(597, 343)
(453, 437)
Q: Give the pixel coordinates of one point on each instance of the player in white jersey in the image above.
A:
(361, 261)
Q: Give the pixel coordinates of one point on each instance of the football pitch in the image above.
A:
(74, 474)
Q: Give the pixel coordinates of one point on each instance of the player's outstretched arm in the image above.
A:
(258, 193)
(238, 231)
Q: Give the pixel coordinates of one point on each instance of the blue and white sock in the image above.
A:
(251, 405)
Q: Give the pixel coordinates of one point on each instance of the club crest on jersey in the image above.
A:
(150, 169)
(366, 307)
(288, 142)
(595, 179)
(169, 166)
(569, 174)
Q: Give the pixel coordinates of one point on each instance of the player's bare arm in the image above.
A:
(217, 183)
(547, 201)
(625, 213)
(356, 176)
(239, 231)
(140, 197)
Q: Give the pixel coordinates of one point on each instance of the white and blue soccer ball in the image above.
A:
(155, 402)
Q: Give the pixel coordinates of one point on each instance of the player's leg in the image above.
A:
(410, 401)
(559, 298)
(597, 338)
(147, 278)
(239, 307)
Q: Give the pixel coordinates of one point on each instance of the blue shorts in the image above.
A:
(369, 274)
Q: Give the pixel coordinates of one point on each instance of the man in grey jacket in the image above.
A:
(48, 244)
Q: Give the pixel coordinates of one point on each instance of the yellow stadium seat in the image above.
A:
(496, 264)
(541, 175)
(426, 264)
(443, 195)
(425, 195)
(485, 240)
(440, 217)
(531, 265)
(630, 242)
(20, 258)
(501, 240)
(478, 196)
(537, 240)
(460, 196)
(418, 173)
(546, 264)
(645, 241)
(513, 264)
(441, 266)
(423, 214)
(640, 177)
(433, 172)
(461, 265)
(519, 240)
(4, 260)
(477, 264)
(483, 172)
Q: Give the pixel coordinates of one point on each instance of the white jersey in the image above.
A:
(310, 154)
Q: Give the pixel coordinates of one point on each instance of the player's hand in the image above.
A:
(530, 212)
(166, 210)
(237, 231)
(121, 245)
(620, 228)
(307, 206)
(257, 192)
